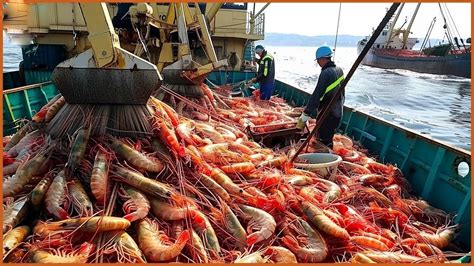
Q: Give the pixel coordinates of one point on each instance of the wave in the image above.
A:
(408, 73)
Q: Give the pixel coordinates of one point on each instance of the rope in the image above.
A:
(337, 31)
(447, 31)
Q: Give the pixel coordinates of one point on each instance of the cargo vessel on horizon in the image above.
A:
(393, 49)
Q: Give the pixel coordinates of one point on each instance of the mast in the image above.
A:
(407, 31)
(393, 25)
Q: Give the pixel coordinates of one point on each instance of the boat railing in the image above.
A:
(23, 102)
(27, 87)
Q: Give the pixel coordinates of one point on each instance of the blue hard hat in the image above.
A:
(259, 48)
(323, 51)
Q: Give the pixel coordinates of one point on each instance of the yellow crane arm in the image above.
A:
(102, 35)
(211, 13)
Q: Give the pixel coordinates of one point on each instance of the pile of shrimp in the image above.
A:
(201, 192)
(259, 116)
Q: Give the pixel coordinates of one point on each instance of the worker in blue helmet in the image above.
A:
(266, 73)
(328, 82)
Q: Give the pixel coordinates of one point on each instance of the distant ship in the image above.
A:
(393, 49)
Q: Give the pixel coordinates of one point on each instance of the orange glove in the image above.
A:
(256, 94)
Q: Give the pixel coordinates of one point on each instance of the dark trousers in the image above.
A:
(327, 129)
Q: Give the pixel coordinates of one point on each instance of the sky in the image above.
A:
(358, 18)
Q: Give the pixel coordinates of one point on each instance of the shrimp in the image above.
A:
(18, 136)
(226, 134)
(353, 221)
(203, 166)
(317, 217)
(126, 248)
(222, 179)
(354, 168)
(255, 257)
(257, 157)
(39, 192)
(54, 108)
(240, 148)
(81, 202)
(216, 153)
(184, 131)
(194, 246)
(40, 116)
(387, 214)
(431, 251)
(170, 112)
(152, 242)
(163, 210)
(231, 225)
(299, 180)
(389, 257)
(56, 196)
(202, 225)
(425, 211)
(344, 140)
(25, 173)
(369, 242)
(361, 258)
(259, 221)
(15, 256)
(378, 168)
(275, 162)
(208, 92)
(136, 158)
(14, 212)
(280, 255)
(168, 136)
(439, 239)
(99, 177)
(244, 167)
(79, 256)
(78, 149)
(389, 243)
(312, 193)
(296, 171)
(209, 132)
(28, 142)
(14, 237)
(372, 179)
(136, 204)
(159, 147)
(314, 251)
(11, 169)
(333, 190)
(213, 186)
(142, 183)
(82, 225)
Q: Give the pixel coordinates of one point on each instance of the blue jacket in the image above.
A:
(330, 73)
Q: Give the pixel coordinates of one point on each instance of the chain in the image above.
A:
(74, 33)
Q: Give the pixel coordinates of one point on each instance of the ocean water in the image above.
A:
(436, 106)
(433, 105)
(11, 56)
